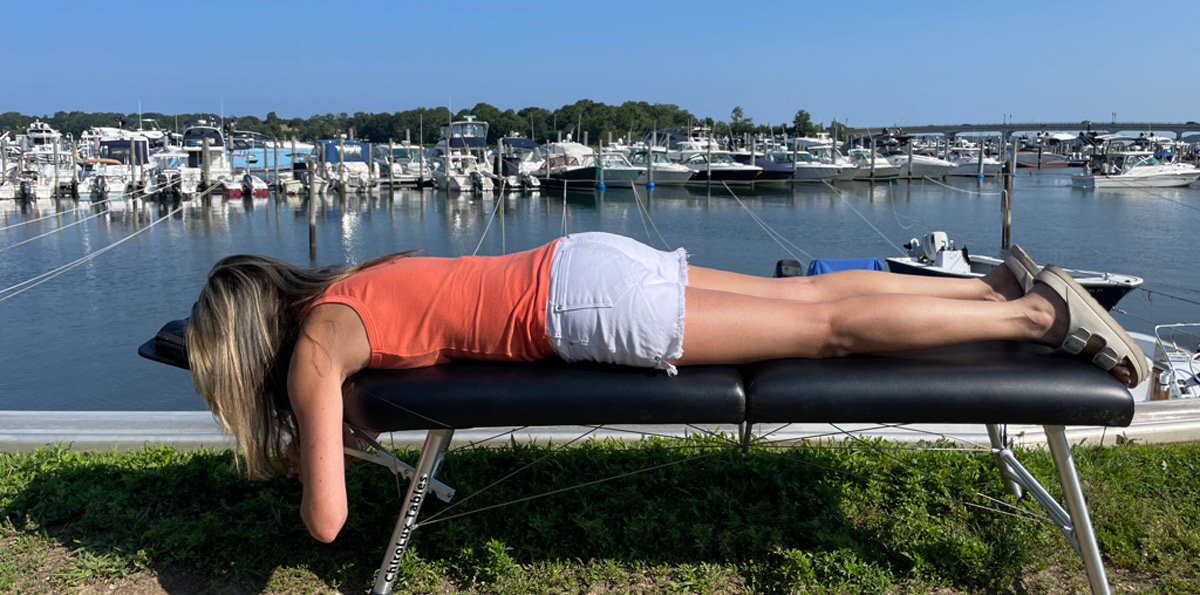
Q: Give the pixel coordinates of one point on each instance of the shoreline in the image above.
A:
(1155, 422)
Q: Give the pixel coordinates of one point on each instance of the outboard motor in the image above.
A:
(935, 242)
(26, 190)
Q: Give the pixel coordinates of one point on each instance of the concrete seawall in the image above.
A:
(1159, 422)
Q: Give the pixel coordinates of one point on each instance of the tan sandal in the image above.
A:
(1089, 319)
(1021, 266)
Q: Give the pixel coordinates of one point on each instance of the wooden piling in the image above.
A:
(341, 169)
(872, 156)
(910, 155)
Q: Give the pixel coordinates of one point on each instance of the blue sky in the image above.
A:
(871, 63)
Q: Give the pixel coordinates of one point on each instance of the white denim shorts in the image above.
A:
(615, 300)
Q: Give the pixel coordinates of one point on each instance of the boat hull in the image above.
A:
(1172, 180)
(1107, 289)
(972, 169)
(724, 175)
(666, 177)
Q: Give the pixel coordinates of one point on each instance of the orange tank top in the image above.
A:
(423, 311)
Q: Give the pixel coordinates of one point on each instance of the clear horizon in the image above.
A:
(867, 64)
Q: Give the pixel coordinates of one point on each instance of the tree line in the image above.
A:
(597, 120)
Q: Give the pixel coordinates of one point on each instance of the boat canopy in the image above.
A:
(194, 137)
(470, 134)
(123, 150)
(349, 150)
(519, 143)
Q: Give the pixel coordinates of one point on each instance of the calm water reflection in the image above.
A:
(70, 342)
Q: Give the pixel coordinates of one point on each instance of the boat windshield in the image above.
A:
(1143, 161)
(639, 158)
(724, 158)
(609, 160)
(470, 129)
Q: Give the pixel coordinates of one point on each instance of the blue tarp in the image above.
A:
(354, 150)
(830, 265)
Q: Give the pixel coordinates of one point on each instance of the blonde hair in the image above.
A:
(240, 339)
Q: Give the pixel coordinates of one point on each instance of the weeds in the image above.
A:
(815, 520)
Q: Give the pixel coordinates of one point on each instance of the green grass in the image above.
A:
(809, 520)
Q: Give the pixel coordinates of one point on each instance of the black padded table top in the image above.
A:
(467, 394)
(997, 382)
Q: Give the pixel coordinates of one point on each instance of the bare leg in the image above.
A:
(732, 328)
(996, 286)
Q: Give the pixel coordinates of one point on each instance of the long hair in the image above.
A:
(240, 339)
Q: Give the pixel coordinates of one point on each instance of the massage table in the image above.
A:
(993, 384)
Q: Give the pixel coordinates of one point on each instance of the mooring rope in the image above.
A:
(78, 207)
(977, 193)
(19, 288)
(774, 235)
(644, 211)
(842, 196)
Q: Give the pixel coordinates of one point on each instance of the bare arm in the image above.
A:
(332, 346)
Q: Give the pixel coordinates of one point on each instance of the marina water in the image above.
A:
(70, 342)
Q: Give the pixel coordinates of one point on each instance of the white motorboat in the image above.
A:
(967, 160)
(1137, 169)
(871, 165)
(664, 171)
(805, 167)
(708, 162)
(204, 146)
(343, 165)
(121, 165)
(937, 256)
(402, 164)
(823, 151)
(918, 165)
(460, 160)
(520, 161)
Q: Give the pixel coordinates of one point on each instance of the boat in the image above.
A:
(823, 151)
(797, 166)
(709, 163)
(937, 256)
(207, 167)
(772, 171)
(1176, 362)
(520, 160)
(342, 165)
(460, 157)
(657, 167)
(121, 165)
(1137, 169)
(871, 165)
(47, 166)
(922, 166)
(1041, 159)
(1040, 153)
(577, 165)
(402, 164)
(967, 160)
(254, 186)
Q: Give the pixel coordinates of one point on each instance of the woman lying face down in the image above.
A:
(270, 344)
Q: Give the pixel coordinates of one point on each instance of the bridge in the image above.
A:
(1008, 129)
